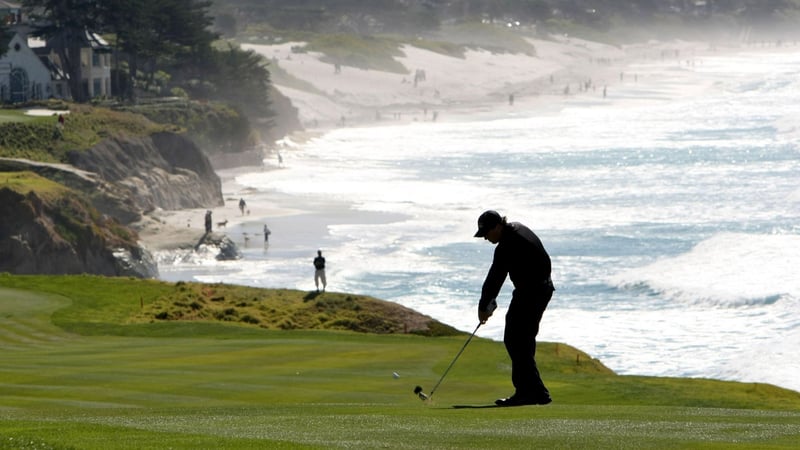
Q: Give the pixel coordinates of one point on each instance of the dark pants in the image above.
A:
(522, 325)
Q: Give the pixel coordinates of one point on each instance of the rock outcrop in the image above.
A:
(222, 245)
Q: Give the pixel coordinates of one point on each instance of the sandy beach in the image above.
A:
(451, 87)
(482, 83)
(164, 230)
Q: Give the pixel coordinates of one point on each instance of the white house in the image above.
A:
(23, 76)
(32, 71)
(95, 65)
(97, 57)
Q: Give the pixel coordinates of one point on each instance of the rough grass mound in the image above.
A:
(284, 309)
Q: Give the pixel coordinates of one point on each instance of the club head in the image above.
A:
(420, 394)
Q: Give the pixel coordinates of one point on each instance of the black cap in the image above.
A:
(487, 221)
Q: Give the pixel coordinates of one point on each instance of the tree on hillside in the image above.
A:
(149, 34)
(764, 11)
(64, 24)
(321, 15)
(225, 23)
(128, 21)
(231, 75)
(533, 11)
(5, 37)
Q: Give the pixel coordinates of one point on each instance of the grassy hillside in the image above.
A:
(212, 126)
(81, 371)
(24, 183)
(40, 139)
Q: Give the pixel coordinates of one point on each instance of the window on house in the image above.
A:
(95, 59)
(97, 87)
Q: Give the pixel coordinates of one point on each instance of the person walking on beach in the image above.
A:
(319, 271)
(242, 205)
(208, 221)
(519, 255)
(267, 232)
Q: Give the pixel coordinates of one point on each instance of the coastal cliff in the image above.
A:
(73, 218)
(52, 229)
(164, 170)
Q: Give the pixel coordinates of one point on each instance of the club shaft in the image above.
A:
(454, 360)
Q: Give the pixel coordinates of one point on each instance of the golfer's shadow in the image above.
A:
(311, 296)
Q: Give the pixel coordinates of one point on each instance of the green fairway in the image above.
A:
(100, 380)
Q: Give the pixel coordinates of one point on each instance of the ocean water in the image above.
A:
(670, 209)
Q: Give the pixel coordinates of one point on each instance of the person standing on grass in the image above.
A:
(319, 271)
(521, 256)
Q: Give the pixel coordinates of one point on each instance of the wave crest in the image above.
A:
(726, 270)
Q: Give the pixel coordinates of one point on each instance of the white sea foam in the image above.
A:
(726, 270)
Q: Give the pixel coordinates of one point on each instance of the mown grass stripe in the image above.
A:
(31, 332)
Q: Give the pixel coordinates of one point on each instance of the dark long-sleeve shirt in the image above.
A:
(521, 256)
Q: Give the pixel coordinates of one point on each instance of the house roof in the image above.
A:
(97, 42)
(93, 40)
(56, 72)
(9, 5)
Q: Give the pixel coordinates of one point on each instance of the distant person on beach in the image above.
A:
(319, 271)
(267, 232)
(511, 99)
(242, 205)
(208, 221)
(521, 256)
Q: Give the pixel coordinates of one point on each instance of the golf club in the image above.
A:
(418, 389)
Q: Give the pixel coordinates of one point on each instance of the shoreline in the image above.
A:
(180, 229)
(475, 94)
(480, 86)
